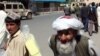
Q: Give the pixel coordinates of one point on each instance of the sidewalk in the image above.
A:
(47, 13)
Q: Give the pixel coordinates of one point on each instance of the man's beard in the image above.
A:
(66, 48)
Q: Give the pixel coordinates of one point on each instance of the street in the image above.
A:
(41, 27)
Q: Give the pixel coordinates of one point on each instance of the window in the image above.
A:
(8, 6)
(1, 6)
(20, 7)
(14, 6)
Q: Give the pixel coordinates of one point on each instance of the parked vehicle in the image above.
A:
(18, 8)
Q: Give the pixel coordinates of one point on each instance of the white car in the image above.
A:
(18, 8)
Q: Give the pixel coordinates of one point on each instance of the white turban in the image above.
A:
(65, 22)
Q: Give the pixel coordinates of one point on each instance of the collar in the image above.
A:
(17, 33)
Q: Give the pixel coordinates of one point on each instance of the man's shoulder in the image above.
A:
(53, 39)
(81, 38)
(20, 37)
(84, 37)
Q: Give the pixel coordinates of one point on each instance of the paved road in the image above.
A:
(41, 27)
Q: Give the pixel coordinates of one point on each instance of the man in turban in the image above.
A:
(67, 41)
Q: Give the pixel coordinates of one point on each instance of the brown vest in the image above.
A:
(81, 48)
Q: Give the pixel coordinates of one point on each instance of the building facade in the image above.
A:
(88, 1)
(47, 5)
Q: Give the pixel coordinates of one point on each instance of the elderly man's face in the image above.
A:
(66, 35)
(12, 27)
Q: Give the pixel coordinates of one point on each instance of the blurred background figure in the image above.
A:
(73, 8)
(67, 10)
(84, 16)
(98, 14)
(93, 22)
(3, 33)
(78, 11)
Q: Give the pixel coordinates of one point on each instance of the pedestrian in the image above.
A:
(67, 41)
(3, 33)
(84, 16)
(73, 8)
(18, 43)
(78, 11)
(98, 14)
(93, 22)
(67, 10)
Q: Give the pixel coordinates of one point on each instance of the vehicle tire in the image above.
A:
(29, 16)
